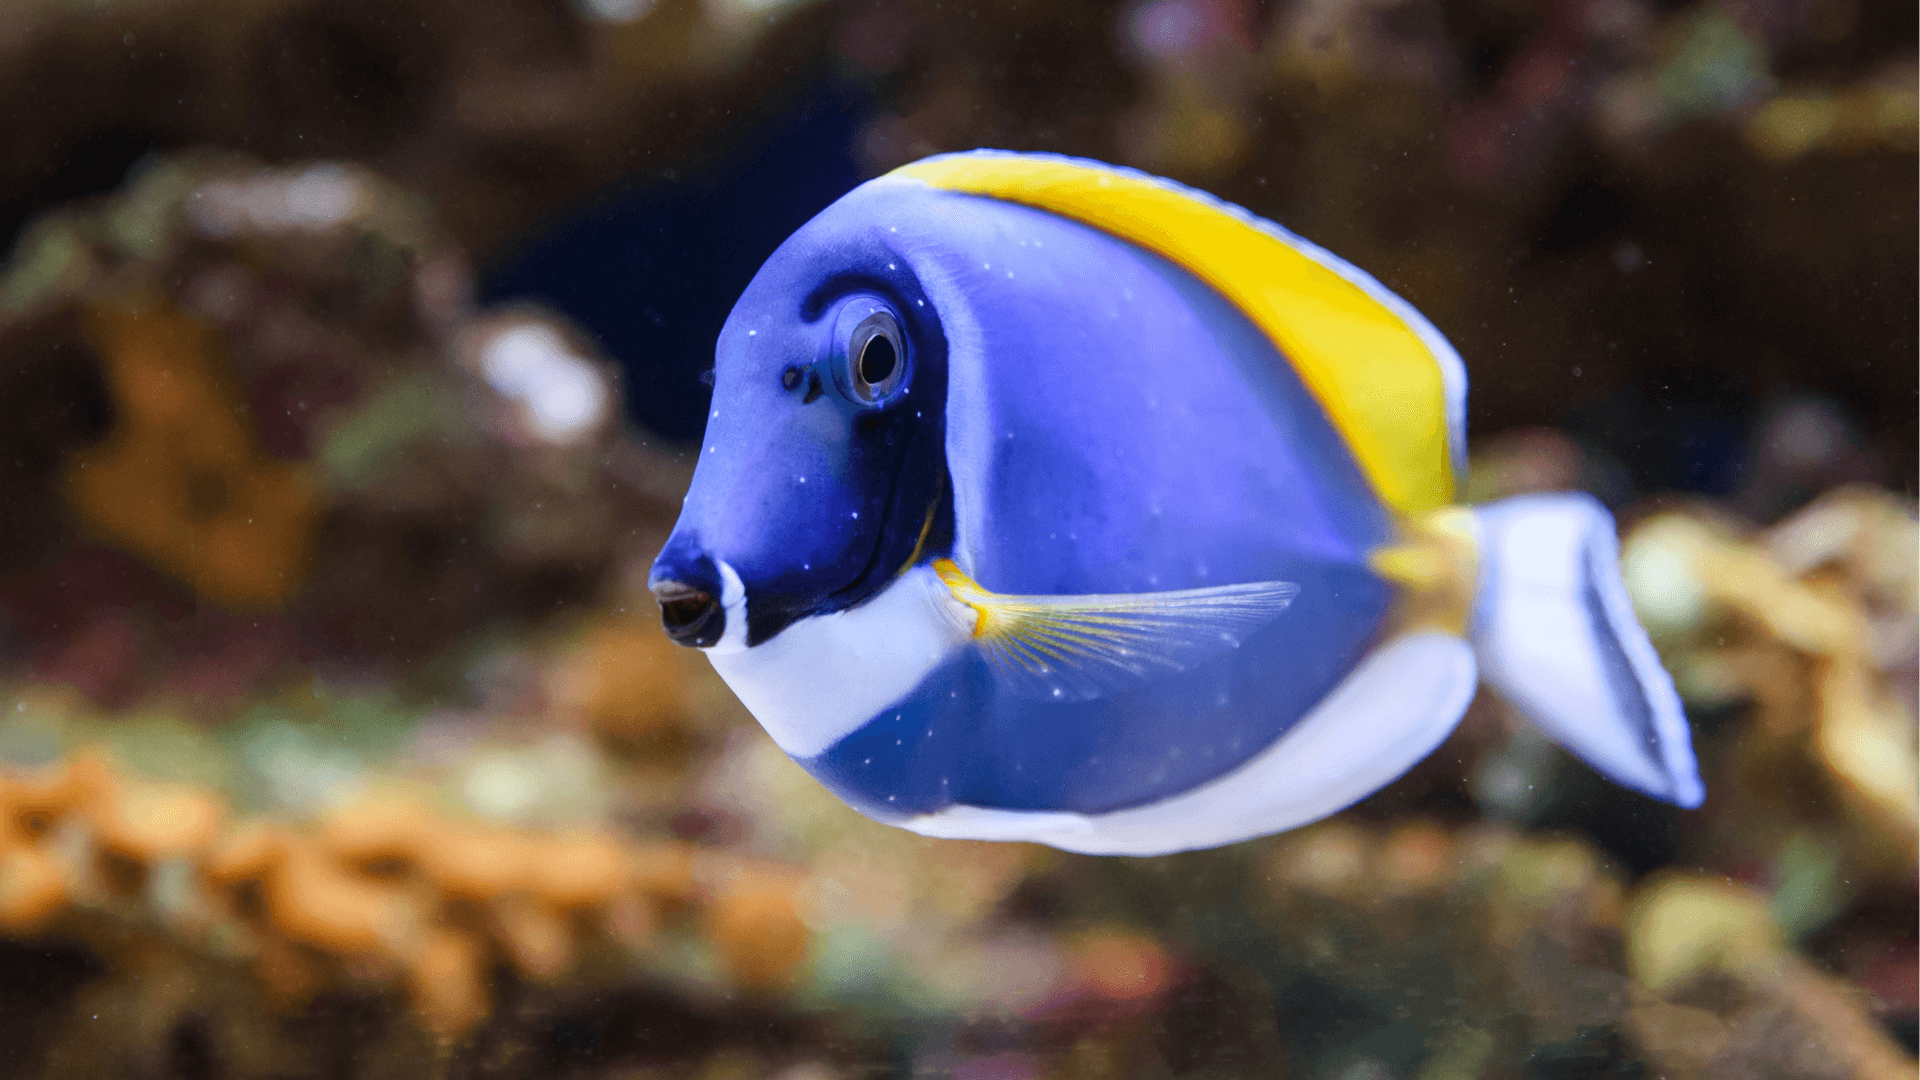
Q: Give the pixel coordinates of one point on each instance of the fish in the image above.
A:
(1046, 500)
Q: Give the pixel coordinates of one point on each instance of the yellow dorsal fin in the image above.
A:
(1074, 648)
(1373, 374)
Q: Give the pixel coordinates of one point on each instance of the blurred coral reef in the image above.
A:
(338, 737)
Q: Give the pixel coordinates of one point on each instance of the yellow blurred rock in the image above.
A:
(1738, 1001)
(1683, 1040)
(1853, 119)
(1679, 924)
(1812, 623)
(1328, 859)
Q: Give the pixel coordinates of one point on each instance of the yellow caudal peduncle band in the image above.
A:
(1435, 565)
(1371, 372)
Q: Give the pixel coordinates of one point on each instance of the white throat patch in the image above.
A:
(733, 601)
(822, 678)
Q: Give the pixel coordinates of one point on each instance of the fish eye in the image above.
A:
(877, 360)
(872, 359)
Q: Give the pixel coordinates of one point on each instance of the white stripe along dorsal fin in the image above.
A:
(1076, 648)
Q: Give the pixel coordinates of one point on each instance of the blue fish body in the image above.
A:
(1018, 519)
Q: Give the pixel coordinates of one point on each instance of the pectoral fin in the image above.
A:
(1075, 648)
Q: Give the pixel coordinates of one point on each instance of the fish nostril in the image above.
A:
(691, 616)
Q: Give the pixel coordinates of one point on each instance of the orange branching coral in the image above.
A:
(32, 889)
(446, 979)
(180, 481)
(129, 825)
(315, 901)
(384, 892)
(146, 822)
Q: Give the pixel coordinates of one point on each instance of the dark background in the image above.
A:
(1569, 186)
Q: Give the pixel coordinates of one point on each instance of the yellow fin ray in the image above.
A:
(1076, 648)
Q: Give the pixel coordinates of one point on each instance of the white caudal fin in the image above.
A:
(1556, 635)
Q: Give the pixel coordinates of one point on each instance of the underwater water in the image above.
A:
(352, 379)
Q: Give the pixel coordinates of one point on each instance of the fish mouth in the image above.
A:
(690, 616)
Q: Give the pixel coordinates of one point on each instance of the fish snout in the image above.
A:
(689, 592)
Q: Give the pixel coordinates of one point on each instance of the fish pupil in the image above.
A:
(877, 360)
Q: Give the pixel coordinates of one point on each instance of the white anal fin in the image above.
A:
(1556, 635)
(1392, 710)
(1076, 648)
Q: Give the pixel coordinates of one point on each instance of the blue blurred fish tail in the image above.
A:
(1555, 633)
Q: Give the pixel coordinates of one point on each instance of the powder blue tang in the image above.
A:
(1019, 516)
